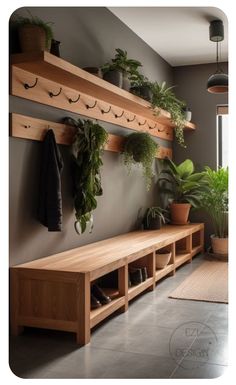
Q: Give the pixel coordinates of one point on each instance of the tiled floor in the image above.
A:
(158, 337)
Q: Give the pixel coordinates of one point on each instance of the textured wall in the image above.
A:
(89, 37)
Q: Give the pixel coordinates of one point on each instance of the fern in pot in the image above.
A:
(89, 141)
(215, 202)
(140, 150)
(154, 217)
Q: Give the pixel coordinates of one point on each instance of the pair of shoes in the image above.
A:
(98, 297)
(137, 275)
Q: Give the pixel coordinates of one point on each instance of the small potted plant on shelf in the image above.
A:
(164, 97)
(215, 202)
(34, 33)
(140, 85)
(154, 218)
(120, 69)
(140, 149)
(187, 114)
(89, 141)
(184, 187)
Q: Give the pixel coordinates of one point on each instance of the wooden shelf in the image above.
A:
(196, 250)
(54, 73)
(181, 258)
(160, 273)
(136, 290)
(26, 127)
(97, 315)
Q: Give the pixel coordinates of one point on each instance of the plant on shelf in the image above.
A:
(163, 97)
(184, 186)
(154, 217)
(140, 85)
(215, 202)
(34, 33)
(120, 69)
(89, 141)
(140, 149)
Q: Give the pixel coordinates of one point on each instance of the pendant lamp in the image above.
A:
(218, 82)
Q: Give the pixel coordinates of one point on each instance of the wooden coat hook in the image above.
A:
(27, 86)
(151, 128)
(119, 116)
(106, 112)
(161, 130)
(142, 124)
(95, 103)
(51, 94)
(74, 101)
(131, 120)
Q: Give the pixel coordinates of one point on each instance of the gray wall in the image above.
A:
(201, 144)
(89, 37)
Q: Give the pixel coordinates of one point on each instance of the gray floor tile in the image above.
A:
(203, 371)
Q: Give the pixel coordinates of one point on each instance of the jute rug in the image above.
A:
(207, 283)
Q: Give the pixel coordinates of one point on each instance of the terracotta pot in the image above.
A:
(32, 38)
(179, 213)
(162, 260)
(219, 245)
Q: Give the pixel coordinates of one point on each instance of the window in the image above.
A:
(223, 131)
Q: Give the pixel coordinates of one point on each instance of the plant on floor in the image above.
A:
(215, 201)
(89, 141)
(154, 217)
(24, 22)
(184, 186)
(140, 149)
(163, 97)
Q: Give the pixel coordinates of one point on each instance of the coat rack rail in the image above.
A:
(26, 127)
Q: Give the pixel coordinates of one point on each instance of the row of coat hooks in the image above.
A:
(53, 95)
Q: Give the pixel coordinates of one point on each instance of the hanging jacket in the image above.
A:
(50, 199)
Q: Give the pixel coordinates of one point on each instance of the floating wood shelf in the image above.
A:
(27, 127)
(63, 85)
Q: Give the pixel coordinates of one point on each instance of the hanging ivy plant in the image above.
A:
(89, 141)
(140, 149)
(163, 97)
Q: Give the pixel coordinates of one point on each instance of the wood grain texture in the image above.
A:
(27, 127)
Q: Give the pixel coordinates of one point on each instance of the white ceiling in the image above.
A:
(179, 34)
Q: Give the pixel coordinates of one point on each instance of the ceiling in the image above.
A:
(179, 34)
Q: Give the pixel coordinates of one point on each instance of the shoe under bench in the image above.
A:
(54, 292)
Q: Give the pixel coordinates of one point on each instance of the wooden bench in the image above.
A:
(54, 292)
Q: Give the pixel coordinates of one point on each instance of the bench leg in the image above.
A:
(123, 286)
(83, 309)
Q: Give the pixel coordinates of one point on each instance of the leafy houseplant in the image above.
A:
(184, 186)
(163, 97)
(215, 202)
(34, 33)
(89, 141)
(140, 148)
(120, 69)
(141, 86)
(154, 217)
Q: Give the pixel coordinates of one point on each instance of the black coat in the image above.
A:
(50, 199)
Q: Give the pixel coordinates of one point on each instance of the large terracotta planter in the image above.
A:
(219, 245)
(179, 213)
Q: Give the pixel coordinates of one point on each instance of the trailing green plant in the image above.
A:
(181, 182)
(141, 149)
(89, 141)
(155, 212)
(35, 20)
(163, 97)
(215, 199)
(122, 63)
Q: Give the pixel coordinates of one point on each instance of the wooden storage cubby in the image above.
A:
(170, 268)
(54, 292)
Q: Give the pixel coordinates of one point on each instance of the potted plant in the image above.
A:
(215, 202)
(184, 186)
(187, 114)
(119, 70)
(140, 85)
(140, 149)
(163, 97)
(89, 141)
(154, 217)
(34, 33)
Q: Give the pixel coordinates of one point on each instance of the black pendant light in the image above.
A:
(218, 82)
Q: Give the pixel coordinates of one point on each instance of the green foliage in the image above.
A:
(215, 199)
(140, 148)
(163, 97)
(153, 213)
(89, 141)
(34, 20)
(122, 63)
(182, 183)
